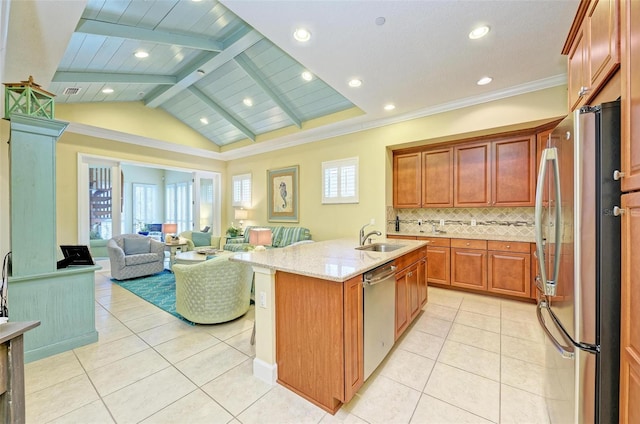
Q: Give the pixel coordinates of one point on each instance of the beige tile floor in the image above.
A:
(467, 359)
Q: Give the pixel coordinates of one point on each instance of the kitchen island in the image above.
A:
(309, 313)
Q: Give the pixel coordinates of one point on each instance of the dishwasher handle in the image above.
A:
(379, 274)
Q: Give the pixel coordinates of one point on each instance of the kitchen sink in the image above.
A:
(380, 247)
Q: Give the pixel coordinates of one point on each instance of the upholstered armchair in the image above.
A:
(133, 255)
(216, 290)
(199, 240)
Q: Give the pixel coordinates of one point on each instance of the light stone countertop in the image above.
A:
(495, 237)
(334, 260)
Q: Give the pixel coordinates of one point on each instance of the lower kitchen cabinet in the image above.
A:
(411, 290)
(319, 343)
(469, 264)
(438, 260)
(509, 268)
(422, 280)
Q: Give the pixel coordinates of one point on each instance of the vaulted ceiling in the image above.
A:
(232, 71)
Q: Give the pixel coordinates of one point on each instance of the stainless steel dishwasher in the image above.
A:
(379, 315)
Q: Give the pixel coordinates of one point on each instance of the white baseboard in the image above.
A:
(264, 371)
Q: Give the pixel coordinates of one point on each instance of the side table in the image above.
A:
(173, 247)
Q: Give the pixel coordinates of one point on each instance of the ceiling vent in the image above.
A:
(71, 91)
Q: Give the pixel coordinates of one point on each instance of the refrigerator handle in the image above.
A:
(548, 155)
(565, 351)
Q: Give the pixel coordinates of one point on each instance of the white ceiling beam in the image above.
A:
(107, 29)
(255, 74)
(112, 77)
(191, 76)
(222, 112)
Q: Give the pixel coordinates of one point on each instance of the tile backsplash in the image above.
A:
(490, 221)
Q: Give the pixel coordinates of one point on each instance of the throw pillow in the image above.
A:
(201, 239)
(135, 246)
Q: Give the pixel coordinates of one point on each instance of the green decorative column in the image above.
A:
(61, 299)
(33, 194)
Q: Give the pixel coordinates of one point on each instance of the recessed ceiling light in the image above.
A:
(302, 34)
(248, 102)
(307, 76)
(479, 32)
(484, 80)
(390, 106)
(141, 54)
(204, 121)
(355, 83)
(107, 90)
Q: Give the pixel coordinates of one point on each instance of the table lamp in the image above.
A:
(259, 238)
(169, 229)
(240, 215)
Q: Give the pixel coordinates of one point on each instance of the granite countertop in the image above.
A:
(334, 260)
(496, 237)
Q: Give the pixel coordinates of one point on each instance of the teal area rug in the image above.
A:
(158, 289)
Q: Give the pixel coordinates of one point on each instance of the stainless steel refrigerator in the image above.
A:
(578, 251)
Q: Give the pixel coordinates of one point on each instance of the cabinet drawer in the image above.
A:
(509, 246)
(410, 258)
(469, 244)
(436, 241)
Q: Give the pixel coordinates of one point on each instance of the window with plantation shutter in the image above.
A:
(340, 181)
(241, 187)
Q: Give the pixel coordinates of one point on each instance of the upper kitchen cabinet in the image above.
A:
(437, 178)
(630, 104)
(496, 173)
(593, 49)
(407, 180)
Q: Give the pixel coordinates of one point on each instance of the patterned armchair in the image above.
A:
(216, 290)
(133, 255)
(197, 239)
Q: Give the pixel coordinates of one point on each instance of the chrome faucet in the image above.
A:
(363, 237)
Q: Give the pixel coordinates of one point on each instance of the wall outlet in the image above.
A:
(473, 222)
(372, 221)
(263, 299)
(419, 222)
(442, 222)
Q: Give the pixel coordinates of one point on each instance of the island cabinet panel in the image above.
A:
(469, 264)
(514, 172)
(402, 300)
(407, 180)
(437, 178)
(422, 280)
(630, 99)
(472, 179)
(318, 342)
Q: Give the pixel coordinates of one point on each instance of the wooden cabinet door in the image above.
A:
(437, 178)
(407, 180)
(509, 273)
(604, 36)
(514, 172)
(438, 265)
(469, 268)
(472, 175)
(413, 286)
(630, 104)
(578, 70)
(353, 337)
(402, 300)
(630, 311)
(422, 282)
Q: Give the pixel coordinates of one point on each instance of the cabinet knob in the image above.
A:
(508, 246)
(617, 175)
(617, 211)
(583, 90)
(468, 244)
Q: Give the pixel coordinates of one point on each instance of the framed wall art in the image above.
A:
(282, 194)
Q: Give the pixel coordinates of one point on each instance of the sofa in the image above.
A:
(197, 239)
(214, 291)
(280, 237)
(133, 255)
